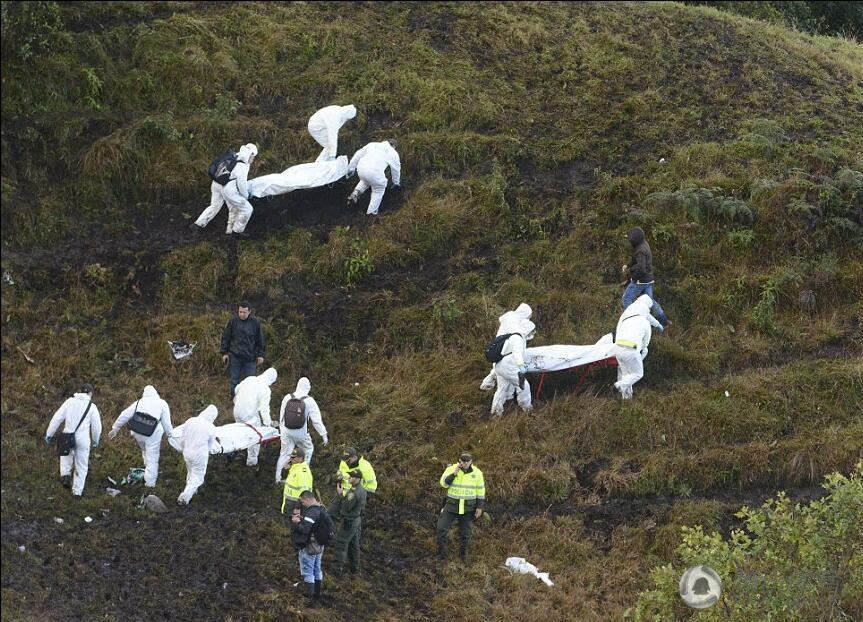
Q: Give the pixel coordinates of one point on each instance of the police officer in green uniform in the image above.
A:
(465, 487)
(347, 507)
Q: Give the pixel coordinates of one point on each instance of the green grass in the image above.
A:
(531, 137)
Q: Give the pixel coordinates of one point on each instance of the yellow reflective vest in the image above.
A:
(369, 482)
(466, 493)
(299, 479)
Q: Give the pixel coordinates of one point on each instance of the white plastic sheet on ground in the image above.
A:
(299, 177)
(557, 358)
(232, 437)
(521, 566)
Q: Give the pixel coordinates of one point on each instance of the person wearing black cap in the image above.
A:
(351, 459)
(81, 428)
(639, 270)
(465, 498)
(347, 506)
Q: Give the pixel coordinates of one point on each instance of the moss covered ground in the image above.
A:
(532, 137)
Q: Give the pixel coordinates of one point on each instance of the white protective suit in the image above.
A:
(198, 433)
(235, 193)
(252, 405)
(631, 341)
(153, 405)
(504, 373)
(371, 164)
(324, 127)
(68, 415)
(300, 438)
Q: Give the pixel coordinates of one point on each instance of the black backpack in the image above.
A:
(220, 168)
(494, 351)
(295, 413)
(325, 528)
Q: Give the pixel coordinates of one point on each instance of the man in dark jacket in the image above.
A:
(243, 345)
(640, 273)
(310, 551)
(349, 508)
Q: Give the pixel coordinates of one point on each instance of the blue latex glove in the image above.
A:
(48, 440)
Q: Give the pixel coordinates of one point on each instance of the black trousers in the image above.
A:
(445, 521)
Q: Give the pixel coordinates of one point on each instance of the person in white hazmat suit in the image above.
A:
(80, 416)
(508, 373)
(300, 437)
(632, 337)
(371, 164)
(235, 193)
(324, 127)
(252, 406)
(150, 404)
(198, 433)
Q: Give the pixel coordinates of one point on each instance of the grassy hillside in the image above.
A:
(531, 137)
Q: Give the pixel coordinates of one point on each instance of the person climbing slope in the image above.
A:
(324, 127)
(371, 164)
(198, 433)
(632, 337)
(78, 417)
(639, 270)
(230, 173)
(514, 331)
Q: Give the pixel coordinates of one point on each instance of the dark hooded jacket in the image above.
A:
(641, 264)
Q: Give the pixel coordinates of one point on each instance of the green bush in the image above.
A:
(30, 29)
(788, 562)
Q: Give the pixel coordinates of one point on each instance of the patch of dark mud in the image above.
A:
(89, 21)
(379, 120)
(162, 229)
(436, 25)
(225, 556)
(601, 519)
(595, 381)
(562, 179)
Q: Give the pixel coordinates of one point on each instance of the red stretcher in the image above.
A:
(544, 359)
(585, 370)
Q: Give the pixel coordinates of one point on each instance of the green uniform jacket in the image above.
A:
(350, 506)
(465, 492)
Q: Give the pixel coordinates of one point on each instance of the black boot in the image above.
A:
(463, 555)
(318, 586)
(66, 481)
(310, 594)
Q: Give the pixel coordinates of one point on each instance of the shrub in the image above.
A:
(702, 204)
(31, 28)
(359, 265)
(788, 562)
(92, 88)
